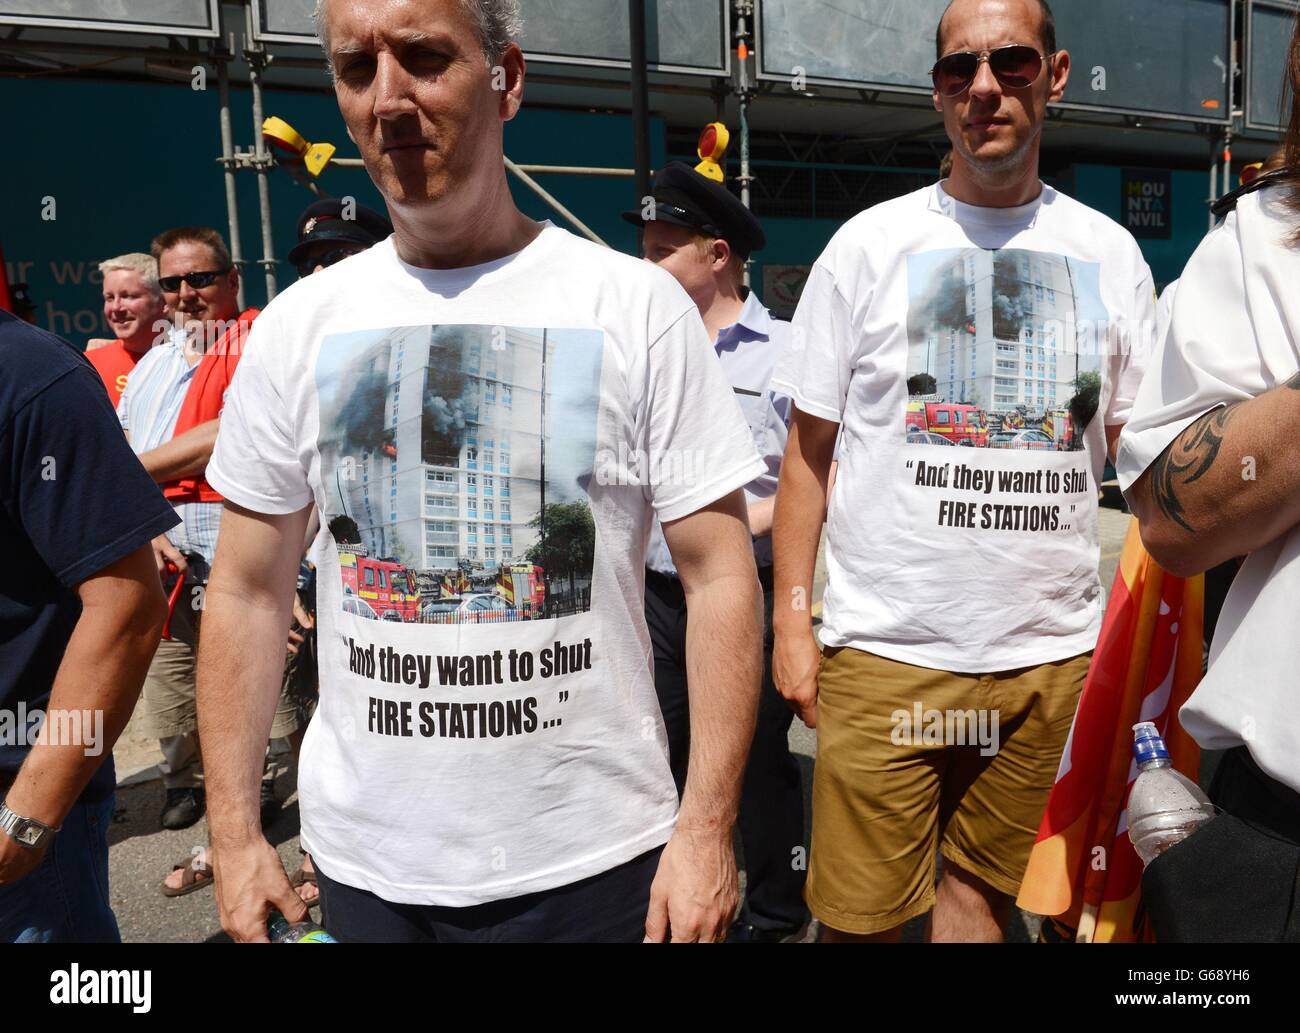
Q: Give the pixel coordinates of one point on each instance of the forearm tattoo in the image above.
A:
(1189, 458)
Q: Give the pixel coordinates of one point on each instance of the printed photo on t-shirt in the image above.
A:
(1003, 349)
(456, 462)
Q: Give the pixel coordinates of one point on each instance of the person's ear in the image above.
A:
(1060, 75)
(508, 77)
(721, 255)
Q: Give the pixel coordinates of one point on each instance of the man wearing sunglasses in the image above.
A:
(963, 598)
(170, 410)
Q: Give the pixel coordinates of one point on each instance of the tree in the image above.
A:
(567, 548)
(1087, 396)
(921, 384)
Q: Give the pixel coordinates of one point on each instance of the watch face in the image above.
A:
(28, 833)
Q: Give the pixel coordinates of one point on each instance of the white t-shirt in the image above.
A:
(962, 532)
(1235, 334)
(488, 725)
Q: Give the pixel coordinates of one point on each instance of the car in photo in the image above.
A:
(467, 609)
(359, 608)
(921, 437)
(1034, 440)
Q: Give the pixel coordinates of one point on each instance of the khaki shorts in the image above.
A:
(169, 701)
(909, 758)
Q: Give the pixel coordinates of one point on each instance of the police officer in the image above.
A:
(333, 229)
(696, 229)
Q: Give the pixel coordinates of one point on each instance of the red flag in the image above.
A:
(1083, 869)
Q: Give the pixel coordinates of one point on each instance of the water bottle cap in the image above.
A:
(1147, 744)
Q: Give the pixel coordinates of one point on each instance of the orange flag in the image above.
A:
(1083, 870)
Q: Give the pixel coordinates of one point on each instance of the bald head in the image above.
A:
(1036, 10)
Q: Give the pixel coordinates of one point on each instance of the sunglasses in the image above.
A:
(326, 259)
(171, 284)
(1014, 67)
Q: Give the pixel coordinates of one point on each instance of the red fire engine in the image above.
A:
(523, 587)
(386, 585)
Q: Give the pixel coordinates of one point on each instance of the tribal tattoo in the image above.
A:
(1189, 458)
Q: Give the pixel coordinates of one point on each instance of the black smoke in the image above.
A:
(451, 402)
(941, 305)
(360, 421)
(1013, 295)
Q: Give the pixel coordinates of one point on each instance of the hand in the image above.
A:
(695, 890)
(304, 620)
(165, 552)
(250, 884)
(17, 861)
(795, 662)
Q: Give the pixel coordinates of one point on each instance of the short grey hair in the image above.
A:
(143, 265)
(499, 24)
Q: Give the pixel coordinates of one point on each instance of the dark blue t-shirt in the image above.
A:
(74, 499)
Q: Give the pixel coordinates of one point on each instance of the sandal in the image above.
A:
(196, 877)
(303, 876)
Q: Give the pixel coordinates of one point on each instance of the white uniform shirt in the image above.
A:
(1235, 334)
(748, 350)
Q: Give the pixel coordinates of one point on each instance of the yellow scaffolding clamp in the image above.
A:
(282, 137)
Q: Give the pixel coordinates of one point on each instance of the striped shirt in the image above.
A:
(147, 410)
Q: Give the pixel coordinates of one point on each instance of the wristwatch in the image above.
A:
(26, 832)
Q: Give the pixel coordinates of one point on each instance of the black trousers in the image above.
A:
(771, 802)
(1236, 879)
(606, 908)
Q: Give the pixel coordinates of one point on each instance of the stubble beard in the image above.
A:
(992, 172)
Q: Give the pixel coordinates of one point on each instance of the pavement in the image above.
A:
(141, 853)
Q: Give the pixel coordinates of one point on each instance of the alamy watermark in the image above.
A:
(32, 727)
(674, 467)
(922, 727)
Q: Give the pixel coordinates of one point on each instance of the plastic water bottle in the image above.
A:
(1164, 806)
(280, 930)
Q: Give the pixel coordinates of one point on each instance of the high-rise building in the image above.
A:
(457, 472)
(1001, 347)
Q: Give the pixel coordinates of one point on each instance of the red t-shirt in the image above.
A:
(114, 363)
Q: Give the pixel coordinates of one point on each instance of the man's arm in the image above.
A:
(695, 891)
(1227, 485)
(98, 682)
(241, 659)
(183, 455)
(1112, 441)
(800, 512)
(760, 516)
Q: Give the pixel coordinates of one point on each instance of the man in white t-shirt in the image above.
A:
(488, 413)
(963, 598)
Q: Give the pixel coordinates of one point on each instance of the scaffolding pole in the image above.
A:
(1214, 176)
(228, 165)
(640, 99)
(744, 90)
(255, 55)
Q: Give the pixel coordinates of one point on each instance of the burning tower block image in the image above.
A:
(457, 460)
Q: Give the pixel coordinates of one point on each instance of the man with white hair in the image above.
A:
(479, 400)
(133, 309)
